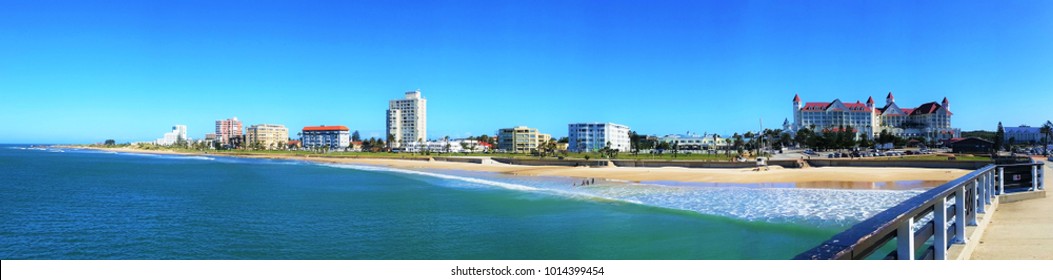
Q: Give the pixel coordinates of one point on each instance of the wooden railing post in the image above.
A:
(959, 216)
(1001, 180)
(905, 240)
(940, 219)
(988, 190)
(979, 202)
(1034, 178)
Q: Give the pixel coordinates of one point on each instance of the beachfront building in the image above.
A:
(588, 137)
(333, 137)
(445, 146)
(1025, 134)
(178, 133)
(267, 136)
(228, 129)
(695, 143)
(520, 139)
(931, 121)
(407, 120)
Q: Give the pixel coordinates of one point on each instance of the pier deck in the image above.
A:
(1020, 230)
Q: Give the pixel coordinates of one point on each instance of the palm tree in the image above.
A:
(447, 140)
(738, 142)
(420, 145)
(551, 147)
(676, 148)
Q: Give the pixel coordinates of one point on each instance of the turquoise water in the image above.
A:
(78, 204)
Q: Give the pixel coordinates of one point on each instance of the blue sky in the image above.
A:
(83, 71)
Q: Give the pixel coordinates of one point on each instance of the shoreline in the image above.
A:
(632, 174)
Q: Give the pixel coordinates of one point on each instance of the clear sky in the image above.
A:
(84, 71)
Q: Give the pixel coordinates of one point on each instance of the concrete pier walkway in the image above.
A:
(1020, 230)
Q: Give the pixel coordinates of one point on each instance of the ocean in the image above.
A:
(85, 204)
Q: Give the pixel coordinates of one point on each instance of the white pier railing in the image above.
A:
(925, 226)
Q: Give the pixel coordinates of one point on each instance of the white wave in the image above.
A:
(504, 185)
(768, 204)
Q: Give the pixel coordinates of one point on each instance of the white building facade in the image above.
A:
(333, 137)
(590, 137)
(694, 142)
(178, 132)
(1025, 134)
(407, 120)
(444, 146)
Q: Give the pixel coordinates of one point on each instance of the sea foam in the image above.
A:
(825, 207)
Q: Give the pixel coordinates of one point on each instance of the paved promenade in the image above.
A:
(1020, 230)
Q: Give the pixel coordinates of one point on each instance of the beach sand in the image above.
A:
(638, 174)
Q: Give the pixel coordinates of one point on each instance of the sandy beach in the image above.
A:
(637, 174)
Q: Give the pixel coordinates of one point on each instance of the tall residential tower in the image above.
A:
(228, 129)
(407, 120)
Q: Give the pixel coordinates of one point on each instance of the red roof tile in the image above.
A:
(927, 108)
(822, 106)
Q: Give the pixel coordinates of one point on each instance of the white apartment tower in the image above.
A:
(588, 137)
(407, 120)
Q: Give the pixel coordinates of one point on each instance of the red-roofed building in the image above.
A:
(930, 120)
(334, 137)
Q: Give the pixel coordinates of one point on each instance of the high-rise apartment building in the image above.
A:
(588, 137)
(407, 120)
(227, 129)
(267, 136)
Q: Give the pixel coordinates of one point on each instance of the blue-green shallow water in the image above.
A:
(92, 205)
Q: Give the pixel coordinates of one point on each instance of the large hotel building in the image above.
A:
(931, 121)
(407, 120)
